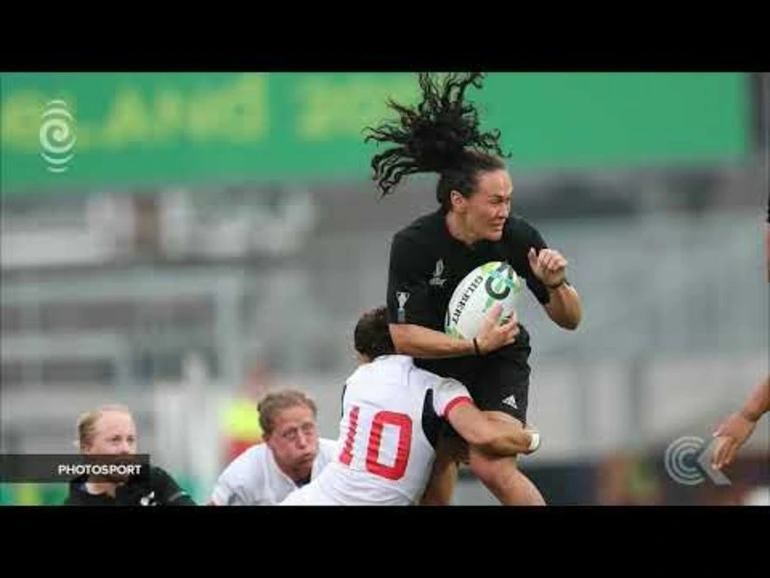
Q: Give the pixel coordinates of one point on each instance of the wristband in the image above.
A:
(476, 347)
(535, 442)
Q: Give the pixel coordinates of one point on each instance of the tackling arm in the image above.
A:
(758, 402)
(496, 437)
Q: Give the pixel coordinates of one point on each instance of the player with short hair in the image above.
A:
(291, 455)
(431, 255)
(391, 415)
(111, 431)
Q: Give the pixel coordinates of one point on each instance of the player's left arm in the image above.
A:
(564, 306)
(547, 278)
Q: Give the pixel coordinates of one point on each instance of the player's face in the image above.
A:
(294, 439)
(114, 434)
(484, 213)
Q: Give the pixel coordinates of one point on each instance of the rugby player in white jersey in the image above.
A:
(292, 454)
(392, 413)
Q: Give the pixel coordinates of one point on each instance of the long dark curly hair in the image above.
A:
(442, 134)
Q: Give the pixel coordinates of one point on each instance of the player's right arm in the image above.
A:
(493, 436)
(225, 495)
(410, 304)
(228, 490)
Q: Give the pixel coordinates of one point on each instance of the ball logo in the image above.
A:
(465, 298)
(477, 292)
(500, 282)
(57, 136)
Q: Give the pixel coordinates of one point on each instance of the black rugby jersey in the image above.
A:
(427, 263)
(157, 489)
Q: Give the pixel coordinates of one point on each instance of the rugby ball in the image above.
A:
(474, 296)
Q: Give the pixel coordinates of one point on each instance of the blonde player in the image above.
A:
(292, 454)
(111, 431)
(392, 413)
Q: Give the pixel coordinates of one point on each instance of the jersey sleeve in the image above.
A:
(228, 490)
(409, 299)
(169, 491)
(227, 494)
(448, 393)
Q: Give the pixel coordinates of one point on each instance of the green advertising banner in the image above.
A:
(76, 132)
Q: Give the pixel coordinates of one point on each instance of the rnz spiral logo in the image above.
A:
(57, 136)
(688, 462)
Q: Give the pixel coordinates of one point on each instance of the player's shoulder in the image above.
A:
(327, 448)
(450, 385)
(168, 488)
(424, 228)
(520, 233)
(245, 465)
(439, 383)
(382, 366)
(159, 473)
(359, 375)
(423, 377)
(517, 225)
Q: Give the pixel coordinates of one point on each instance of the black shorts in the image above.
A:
(496, 382)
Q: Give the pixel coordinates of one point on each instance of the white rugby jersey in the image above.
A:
(392, 411)
(254, 479)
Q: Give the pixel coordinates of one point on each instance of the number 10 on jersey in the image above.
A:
(385, 457)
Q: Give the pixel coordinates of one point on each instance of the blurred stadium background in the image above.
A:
(215, 235)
